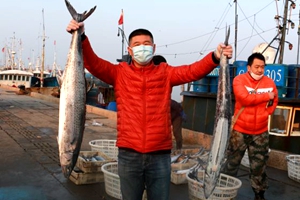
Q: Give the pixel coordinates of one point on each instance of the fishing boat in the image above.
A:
(16, 78)
(49, 79)
(11, 74)
(37, 73)
(43, 78)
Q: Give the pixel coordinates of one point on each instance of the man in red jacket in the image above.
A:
(256, 98)
(143, 93)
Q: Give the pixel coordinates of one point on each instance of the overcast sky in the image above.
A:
(183, 30)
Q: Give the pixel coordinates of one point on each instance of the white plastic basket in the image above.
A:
(226, 189)
(293, 164)
(112, 181)
(108, 147)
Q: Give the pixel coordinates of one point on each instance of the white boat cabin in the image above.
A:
(15, 78)
(37, 73)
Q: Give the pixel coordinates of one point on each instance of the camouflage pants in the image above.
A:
(258, 152)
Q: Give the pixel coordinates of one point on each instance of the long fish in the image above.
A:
(72, 104)
(222, 125)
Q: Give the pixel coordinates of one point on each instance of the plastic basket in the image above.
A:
(293, 164)
(226, 189)
(112, 180)
(178, 177)
(108, 147)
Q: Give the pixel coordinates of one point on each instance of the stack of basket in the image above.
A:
(88, 171)
(293, 163)
(108, 147)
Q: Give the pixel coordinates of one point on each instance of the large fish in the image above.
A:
(222, 125)
(72, 104)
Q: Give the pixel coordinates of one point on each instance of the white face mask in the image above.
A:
(142, 54)
(255, 76)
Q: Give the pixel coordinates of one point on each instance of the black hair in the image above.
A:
(256, 55)
(140, 32)
(157, 59)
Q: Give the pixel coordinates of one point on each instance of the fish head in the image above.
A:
(67, 163)
(67, 170)
(210, 182)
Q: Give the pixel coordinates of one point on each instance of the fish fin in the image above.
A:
(89, 85)
(72, 10)
(76, 16)
(86, 15)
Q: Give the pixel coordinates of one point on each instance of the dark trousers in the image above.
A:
(177, 131)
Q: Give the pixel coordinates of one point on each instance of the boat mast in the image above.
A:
(43, 52)
(121, 31)
(20, 56)
(4, 50)
(12, 62)
(53, 72)
(283, 33)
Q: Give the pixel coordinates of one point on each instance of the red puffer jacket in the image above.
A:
(254, 118)
(143, 97)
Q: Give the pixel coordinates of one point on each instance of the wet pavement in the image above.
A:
(30, 164)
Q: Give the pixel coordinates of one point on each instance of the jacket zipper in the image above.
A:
(144, 110)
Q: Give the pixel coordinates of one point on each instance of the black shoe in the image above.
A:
(259, 196)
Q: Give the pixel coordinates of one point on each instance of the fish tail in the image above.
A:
(77, 16)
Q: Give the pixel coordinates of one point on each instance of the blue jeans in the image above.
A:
(138, 171)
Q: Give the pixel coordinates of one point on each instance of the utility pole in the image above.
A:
(283, 33)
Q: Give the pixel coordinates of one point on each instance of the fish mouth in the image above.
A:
(66, 170)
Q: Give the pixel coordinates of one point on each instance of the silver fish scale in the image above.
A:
(224, 96)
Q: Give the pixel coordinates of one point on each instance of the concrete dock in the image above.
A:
(30, 164)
